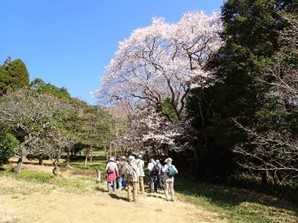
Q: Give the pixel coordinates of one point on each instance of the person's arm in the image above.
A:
(175, 169)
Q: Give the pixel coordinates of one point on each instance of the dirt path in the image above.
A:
(28, 202)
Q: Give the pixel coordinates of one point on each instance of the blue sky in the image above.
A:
(69, 42)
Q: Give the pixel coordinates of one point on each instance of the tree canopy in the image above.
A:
(155, 68)
(13, 76)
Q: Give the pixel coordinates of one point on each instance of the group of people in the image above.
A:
(122, 173)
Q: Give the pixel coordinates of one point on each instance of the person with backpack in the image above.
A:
(121, 178)
(153, 170)
(131, 179)
(169, 171)
(119, 182)
(111, 175)
(160, 180)
(140, 164)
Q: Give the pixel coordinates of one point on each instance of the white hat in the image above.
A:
(168, 160)
(131, 158)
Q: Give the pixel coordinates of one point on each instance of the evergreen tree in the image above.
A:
(14, 75)
(251, 30)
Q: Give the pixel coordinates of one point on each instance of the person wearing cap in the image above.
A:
(111, 175)
(152, 175)
(169, 179)
(140, 165)
(132, 179)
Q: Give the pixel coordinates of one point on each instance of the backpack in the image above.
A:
(131, 173)
(155, 170)
(171, 171)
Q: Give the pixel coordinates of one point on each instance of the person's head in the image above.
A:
(168, 160)
(123, 158)
(140, 156)
(131, 159)
(152, 160)
(112, 159)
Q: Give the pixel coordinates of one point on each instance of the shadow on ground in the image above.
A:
(231, 196)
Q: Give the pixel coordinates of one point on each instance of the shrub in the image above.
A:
(8, 145)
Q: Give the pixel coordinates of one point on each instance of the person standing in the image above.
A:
(111, 175)
(160, 179)
(169, 170)
(132, 179)
(140, 165)
(152, 173)
(121, 179)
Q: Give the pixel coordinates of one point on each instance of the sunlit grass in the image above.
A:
(236, 205)
(48, 181)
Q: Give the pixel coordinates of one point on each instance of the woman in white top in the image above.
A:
(140, 165)
(169, 170)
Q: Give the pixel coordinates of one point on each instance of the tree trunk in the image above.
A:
(91, 154)
(40, 159)
(19, 165)
(86, 156)
(110, 150)
(56, 170)
(195, 172)
(86, 160)
(265, 175)
(276, 177)
(203, 121)
(106, 152)
(68, 158)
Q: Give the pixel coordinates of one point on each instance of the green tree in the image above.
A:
(46, 88)
(37, 120)
(272, 148)
(92, 126)
(251, 30)
(8, 146)
(14, 75)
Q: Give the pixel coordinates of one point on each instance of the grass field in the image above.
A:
(237, 205)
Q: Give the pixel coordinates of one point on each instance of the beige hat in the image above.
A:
(168, 160)
(112, 159)
(131, 158)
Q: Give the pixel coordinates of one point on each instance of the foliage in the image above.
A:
(251, 32)
(155, 68)
(273, 142)
(46, 88)
(8, 146)
(91, 124)
(36, 120)
(13, 76)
